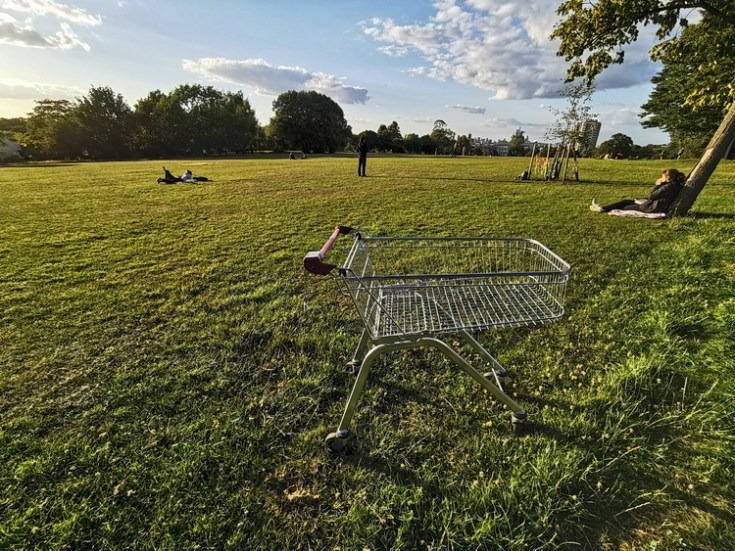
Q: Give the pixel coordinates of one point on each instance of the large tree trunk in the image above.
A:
(718, 147)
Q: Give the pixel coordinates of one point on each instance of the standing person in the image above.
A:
(662, 195)
(362, 150)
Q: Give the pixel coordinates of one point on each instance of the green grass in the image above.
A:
(168, 372)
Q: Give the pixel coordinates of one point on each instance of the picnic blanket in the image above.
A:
(636, 213)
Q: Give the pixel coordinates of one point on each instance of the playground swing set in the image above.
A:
(544, 166)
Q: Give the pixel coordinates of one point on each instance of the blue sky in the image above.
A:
(485, 67)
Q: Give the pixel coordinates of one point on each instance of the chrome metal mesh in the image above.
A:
(424, 286)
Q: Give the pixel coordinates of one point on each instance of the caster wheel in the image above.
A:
(519, 423)
(337, 441)
(500, 373)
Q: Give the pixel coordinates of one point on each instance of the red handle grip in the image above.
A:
(314, 260)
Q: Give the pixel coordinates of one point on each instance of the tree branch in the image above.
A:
(728, 18)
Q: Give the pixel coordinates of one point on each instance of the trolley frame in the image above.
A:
(410, 290)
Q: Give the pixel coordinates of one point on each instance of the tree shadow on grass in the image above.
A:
(442, 179)
(44, 164)
(711, 215)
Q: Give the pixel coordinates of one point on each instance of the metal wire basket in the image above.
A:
(409, 290)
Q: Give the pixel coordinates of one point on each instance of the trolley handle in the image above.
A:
(314, 260)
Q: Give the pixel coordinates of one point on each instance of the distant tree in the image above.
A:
(412, 143)
(518, 145)
(569, 126)
(194, 118)
(383, 139)
(105, 122)
(15, 124)
(443, 137)
(158, 122)
(643, 151)
(371, 138)
(463, 145)
(309, 121)
(13, 128)
(214, 120)
(53, 131)
(389, 138)
(428, 145)
(617, 145)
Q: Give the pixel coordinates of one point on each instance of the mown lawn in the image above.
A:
(168, 372)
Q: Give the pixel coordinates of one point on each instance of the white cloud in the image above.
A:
(17, 89)
(16, 34)
(54, 9)
(501, 46)
(26, 35)
(468, 109)
(511, 123)
(269, 80)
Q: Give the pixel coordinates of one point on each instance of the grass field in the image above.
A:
(168, 372)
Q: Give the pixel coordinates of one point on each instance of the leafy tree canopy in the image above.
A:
(105, 122)
(390, 138)
(569, 126)
(592, 34)
(691, 93)
(592, 37)
(52, 129)
(309, 121)
(517, 146)
(619, 145)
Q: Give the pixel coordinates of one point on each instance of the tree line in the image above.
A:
(195, 120)
(191, 120)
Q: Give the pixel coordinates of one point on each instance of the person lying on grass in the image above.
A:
(662, 195)
(169, 178)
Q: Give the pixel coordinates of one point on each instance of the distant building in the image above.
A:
(591, 133)
(501, 148)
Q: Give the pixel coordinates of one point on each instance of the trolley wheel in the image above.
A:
(519, 423)
(502, 372)
(337, 441)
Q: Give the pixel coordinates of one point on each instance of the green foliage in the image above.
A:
(617, 145)
(592, 35)
(309, 121)
(725, 314)
(518, 144)
(192, 119)
(105, 122)
(53, 131)
(169, 372)
(442, 137)
(692, 91)
(389, 138)
(569, 126)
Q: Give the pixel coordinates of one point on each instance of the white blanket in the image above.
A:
(637, 213)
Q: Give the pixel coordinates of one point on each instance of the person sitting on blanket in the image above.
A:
(662, 195)
(169, 178)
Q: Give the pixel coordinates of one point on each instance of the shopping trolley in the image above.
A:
(409, 290)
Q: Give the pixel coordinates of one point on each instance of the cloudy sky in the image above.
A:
(485, 67)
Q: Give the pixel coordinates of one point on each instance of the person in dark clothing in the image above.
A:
(362, 150)
(168, 178)
(660, 199)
